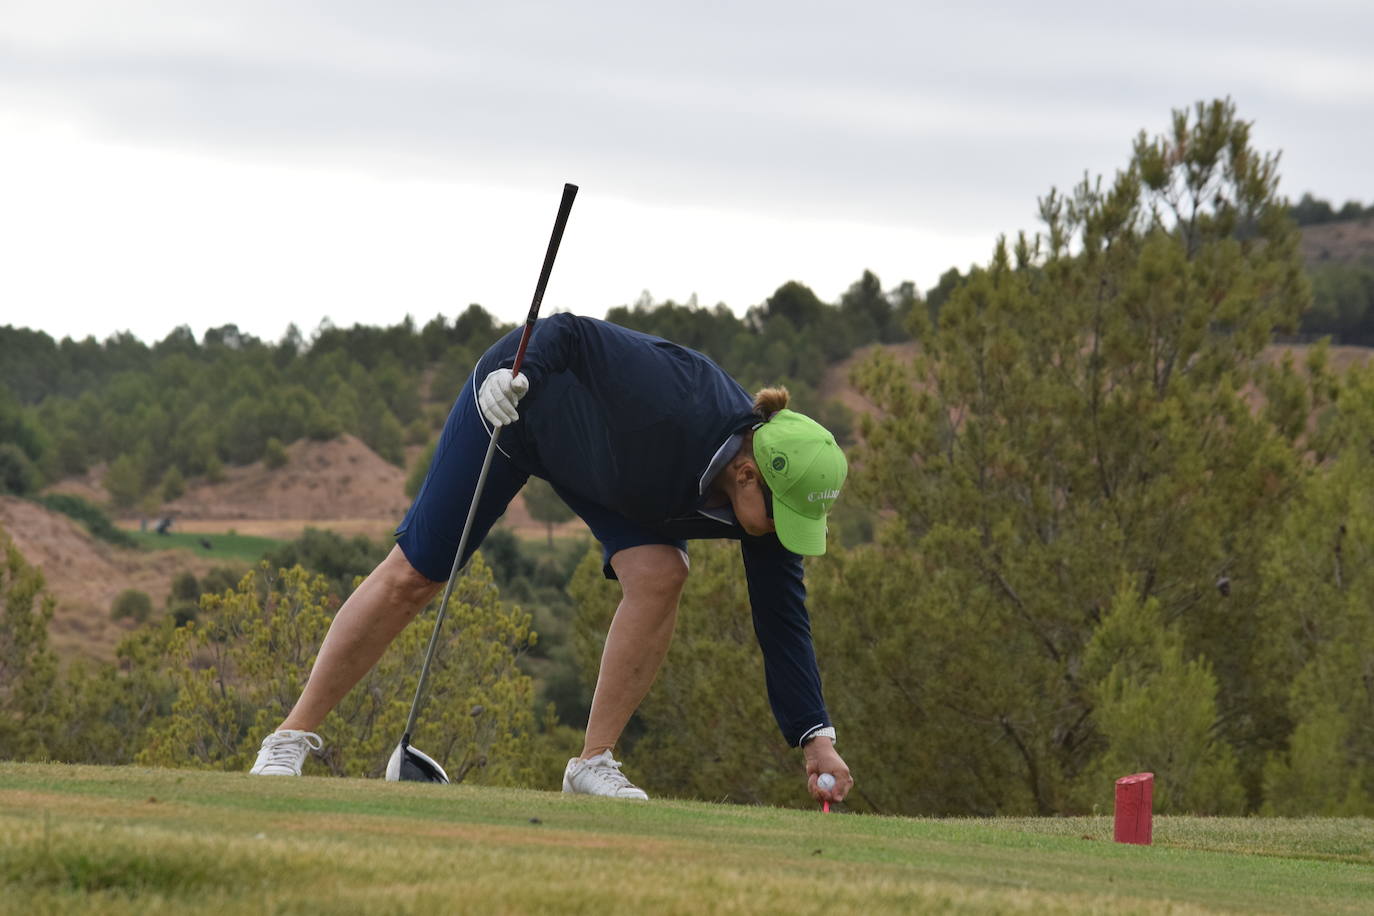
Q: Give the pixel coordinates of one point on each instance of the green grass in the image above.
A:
(128, 840)
(242, 547)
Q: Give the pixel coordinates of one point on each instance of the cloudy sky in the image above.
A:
(263, 163)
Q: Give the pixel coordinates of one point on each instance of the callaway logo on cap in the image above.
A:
(805, 469)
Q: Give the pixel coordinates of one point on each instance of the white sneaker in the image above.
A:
(283, 752)
(599, 775)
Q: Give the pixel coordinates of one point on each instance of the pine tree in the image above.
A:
(1079, 417)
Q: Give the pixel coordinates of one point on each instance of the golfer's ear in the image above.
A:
(747, 474)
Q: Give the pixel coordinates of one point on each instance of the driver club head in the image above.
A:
(410, 765)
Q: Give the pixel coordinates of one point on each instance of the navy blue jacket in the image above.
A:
(631, 422)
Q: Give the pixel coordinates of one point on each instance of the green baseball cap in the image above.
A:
(805, 469)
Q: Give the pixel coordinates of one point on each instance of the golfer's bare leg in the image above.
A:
(651, 579)
(369, 620)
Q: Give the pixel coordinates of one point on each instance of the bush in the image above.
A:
(185, 587)
(30, 708)
(17, 473)
(338, 559)
(274, 456)
(90, 515)
(183, 601)
(419, 470)
(124, 481)
(417, 431)
(260, 639)
(133, 604)
(173, 485)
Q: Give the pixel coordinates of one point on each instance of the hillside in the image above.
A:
(85, 575)
(341, 482)
(340, 485)
(1347, 240)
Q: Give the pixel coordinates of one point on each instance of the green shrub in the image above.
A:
(132, 603)
(90, 515)
(17, 473)
(339, 559)
(274, 456)
(173, 484)
(124, 481)
(419, 469)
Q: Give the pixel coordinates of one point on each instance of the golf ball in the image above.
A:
(825, 781)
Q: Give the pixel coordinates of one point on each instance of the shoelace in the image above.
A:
(283, 749)
(608, 771)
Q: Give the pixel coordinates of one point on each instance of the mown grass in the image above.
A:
(241, 547)
(129, 840)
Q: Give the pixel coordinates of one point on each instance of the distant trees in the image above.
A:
(194, 407)
(1343, 290)
(17, 473)
(1343, 302)
(790, 339)
(1312, 211)
(23, 446)
(545, 505)
(1071, 458)
(1315, 635)
(159, 416)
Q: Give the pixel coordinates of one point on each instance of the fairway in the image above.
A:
(241, 547)
(129, 840)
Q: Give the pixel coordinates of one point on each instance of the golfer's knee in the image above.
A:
(408, 588)
(652, 572)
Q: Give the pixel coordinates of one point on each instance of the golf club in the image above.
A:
(407, 763)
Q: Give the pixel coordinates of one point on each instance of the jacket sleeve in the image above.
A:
(777, 597)
(555, 345)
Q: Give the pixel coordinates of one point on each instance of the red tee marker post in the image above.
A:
(1135, 808)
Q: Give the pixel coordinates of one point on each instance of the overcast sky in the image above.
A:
(263, 163)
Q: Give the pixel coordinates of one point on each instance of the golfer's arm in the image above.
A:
(777, 597)
(553, 347)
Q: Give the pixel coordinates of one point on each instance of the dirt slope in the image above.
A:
(85, 575)
(1348, 240)
(341, 478)
(341, 485)
(835, 384)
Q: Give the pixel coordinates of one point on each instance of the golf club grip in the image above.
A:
(560, 222)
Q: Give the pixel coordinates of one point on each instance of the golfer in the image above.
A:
(652, 445)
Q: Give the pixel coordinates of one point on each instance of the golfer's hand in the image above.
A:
(499, 394)
(821, 758)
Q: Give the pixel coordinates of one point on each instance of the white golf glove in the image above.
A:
(499, 394)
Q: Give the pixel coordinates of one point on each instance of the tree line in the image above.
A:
(159, 416)
(1342, 290)
(1314, 211)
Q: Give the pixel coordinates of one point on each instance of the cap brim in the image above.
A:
(797, 532)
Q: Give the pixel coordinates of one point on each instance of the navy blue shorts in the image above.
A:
(428, 536)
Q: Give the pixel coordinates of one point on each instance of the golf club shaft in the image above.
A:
(559, 223)
(448, 589)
